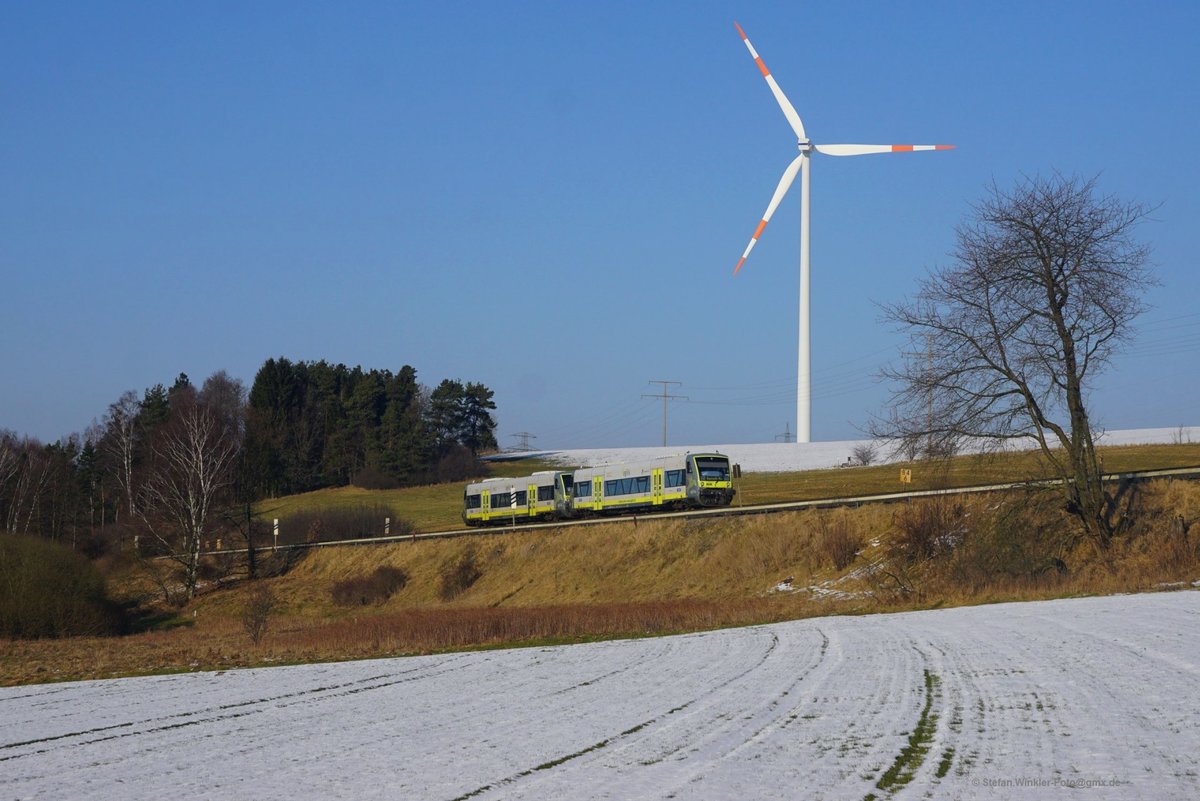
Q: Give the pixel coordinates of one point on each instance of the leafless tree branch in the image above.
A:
(1043, 287)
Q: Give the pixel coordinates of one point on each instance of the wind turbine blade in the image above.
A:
(785, 183)
(788, 110)
(863, 150)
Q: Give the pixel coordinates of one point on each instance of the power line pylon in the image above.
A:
(665, 397)
(524, 436)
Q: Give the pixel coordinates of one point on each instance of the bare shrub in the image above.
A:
(457, 575)
(865, 454)
(218, 568)
(256, 614)
(1176, 553)
(838, 540)
(376, 588)
(373, 479)
(928, 528)
(891, 583)
(102, 541)
(47, 590)
(459, 464)
(347, 523)
(1021, 538)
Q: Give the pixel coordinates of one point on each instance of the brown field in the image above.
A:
(561, 585)
(438, 507)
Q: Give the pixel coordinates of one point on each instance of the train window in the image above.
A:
(627, 486)
(674, 478)
(713, 469)
(500, 499)
(474, 501)
(546, 493)
(522, 498)
(583, 489)
(567, 482)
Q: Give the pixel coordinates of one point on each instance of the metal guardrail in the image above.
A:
(724, 511)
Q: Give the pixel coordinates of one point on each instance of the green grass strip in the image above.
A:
(913, 754)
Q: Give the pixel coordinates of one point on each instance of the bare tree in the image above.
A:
(25, 472)
(864, 453)
(256, 614)
(10, 464)
(226, 397)
(192, 464)
(120, 443)
(1043, 288)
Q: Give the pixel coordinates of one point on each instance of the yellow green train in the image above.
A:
(684, 481)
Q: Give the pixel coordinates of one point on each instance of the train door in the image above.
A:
(486, 505)
(656, 487)
(597, 493)
(531, 500)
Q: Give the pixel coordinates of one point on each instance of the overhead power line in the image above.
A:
(665, 397)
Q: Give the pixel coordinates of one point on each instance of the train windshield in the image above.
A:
(713, 469)
(567, 482)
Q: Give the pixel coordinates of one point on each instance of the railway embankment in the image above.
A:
(568, 584)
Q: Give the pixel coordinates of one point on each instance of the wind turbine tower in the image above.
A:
(802, 164)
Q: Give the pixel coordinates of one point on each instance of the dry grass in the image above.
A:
(576, 583)
(221, 643)
(438, 507)
(961, 471)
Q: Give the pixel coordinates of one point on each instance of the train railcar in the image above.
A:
(544, 495)
(688, 480)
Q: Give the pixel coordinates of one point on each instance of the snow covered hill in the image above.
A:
(781, 457)
(1093, 698)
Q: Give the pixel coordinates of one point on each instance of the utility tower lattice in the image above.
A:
(665, 397)
(787, 435)
(524, 436)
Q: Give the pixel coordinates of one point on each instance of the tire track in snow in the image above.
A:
(833, 723)
(218, 713)
(645, 658)
(717, 722)
(510, 783)
(820, 709)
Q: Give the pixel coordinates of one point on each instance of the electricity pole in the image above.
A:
(524, 436)
(665, 397)
(787, 435)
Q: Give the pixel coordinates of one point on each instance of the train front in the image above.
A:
(713, 485)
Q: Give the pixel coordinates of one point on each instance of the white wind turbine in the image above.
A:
(802, 164)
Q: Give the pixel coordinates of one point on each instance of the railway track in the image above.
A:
(725, 511)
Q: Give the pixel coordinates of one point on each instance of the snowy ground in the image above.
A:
(782, 457)
(1090, 698)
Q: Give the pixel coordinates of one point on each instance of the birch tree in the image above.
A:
(119, 444)
(192, 463)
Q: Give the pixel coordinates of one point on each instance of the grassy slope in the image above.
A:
(438, 507)
(611, 580)
(434, 507)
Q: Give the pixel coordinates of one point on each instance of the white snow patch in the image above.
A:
(780, 457)
(1095, 698)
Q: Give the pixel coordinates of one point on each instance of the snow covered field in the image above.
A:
(779, 457)
(1089, 698)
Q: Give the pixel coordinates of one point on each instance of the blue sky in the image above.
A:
(550, 197)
